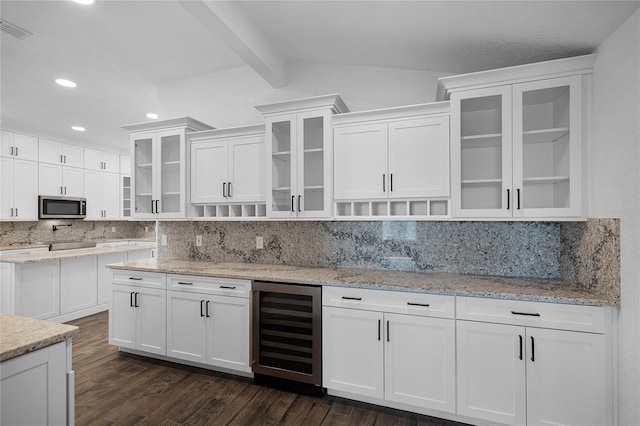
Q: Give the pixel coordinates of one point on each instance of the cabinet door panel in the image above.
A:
(186, 326)
(246, 170)
(170, 185)
(50, 180)
(111, 195)
(78, 284)
(122, 317)
(151, 317)
(105, 275)
(352, 351)
(73, 181)
(228, 332)
(92, 185)
(7, 144)
(491, 375)
(360, 162)
(281, 165)
(314, 164)
(566, 378)
(49, 151)
(111, 162)
(6, 189)
(38, 294)
(25, 194)
(143, 149)
(27, 147)
(420, 361)
(209, 171)
(92, 159)
(73, 155)
(419, 158)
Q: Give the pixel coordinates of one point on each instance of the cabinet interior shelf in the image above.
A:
(282, 188)
(306, 151)
(281, 153)
(227, 211)
(144, 165)
(545, 135)
(546, 179)
(171, 193)
(480, 181)
(171, 163)
(143, 194)
(482, 141)
(314, 187)
(484, 136)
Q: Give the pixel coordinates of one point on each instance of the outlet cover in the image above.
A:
(113, 229)
(164, 240)
(259, 243)
(198, 240)
(146, 229)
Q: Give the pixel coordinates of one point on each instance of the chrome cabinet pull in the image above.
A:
(65, 159)
(136, 299)
(16, 151)
(11, 211)
(11, 150)
(61, 193)
(16, 212)
(383, 182)
(224, 189)
(61, 158)
(229, 189)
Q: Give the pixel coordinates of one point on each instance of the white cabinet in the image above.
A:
(105, 274)
(36, 289)
(60, 180)
(18, 189)
(391, 346)
(102, 191)
(516, 372)
(160, 168)
(52, 152)
(299, 156)
(19, 146)
(516, 143)
(78, 284)
(208, 321)
(227, 166)
(137, 318)
(101, 161)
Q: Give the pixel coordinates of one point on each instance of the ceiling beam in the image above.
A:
(231, 26)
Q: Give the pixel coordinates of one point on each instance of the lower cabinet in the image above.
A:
(371, 350)
(78, 289)
(36, 289)
(105, 274)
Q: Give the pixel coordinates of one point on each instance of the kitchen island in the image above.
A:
(37, 380)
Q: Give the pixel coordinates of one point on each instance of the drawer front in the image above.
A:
(140, 279)
(209, 285)
(532, 314)
(400, 302)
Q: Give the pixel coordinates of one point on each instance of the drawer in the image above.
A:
(400, 302)
(532, 314)
(140, 279)
(209, 285)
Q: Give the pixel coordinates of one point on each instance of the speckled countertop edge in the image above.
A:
(531, 289)
(43, 256)
(23, 246)
(20, 335)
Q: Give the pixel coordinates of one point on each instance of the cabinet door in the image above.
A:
(247, 170)
(281, 166)
(547, 138)
(105, 275)
(37, 289)
(25, 194)
(360, 162)
(72, 155)
(566, 378)
(6, 189)
(50, 152)
(111, 162)
(110, 189)
(151, 327)
(481, 153)
(420, 355)
(92, 159)
(209, 172)
(6, 146)
(25, 147)
(142, 176)
(491, 372)
(186, 326)
(352, 351)
(419, 158)
(228, 332)
(50, 180)
(122, 316)
(170, 185)
(314, 158)
(92, 193)
(73, 181)
(78, 284)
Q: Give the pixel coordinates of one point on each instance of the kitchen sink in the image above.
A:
(70, 245)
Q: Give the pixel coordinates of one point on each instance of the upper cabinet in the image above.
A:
(160, 168)
(299, 156)
(228, 172)
(63, 154)
(101, 161)
(18, 146)
(516, 140)
(399, 154)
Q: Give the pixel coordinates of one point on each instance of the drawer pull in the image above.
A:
(135, 278)
(418, 304)
(202, 308)
(533, 350)
(520, 336)
(230, 287)
(184, 283)
(351, 298)
(379, 330)
(525, 314)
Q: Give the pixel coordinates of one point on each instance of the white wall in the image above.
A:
(615, 188)
(227, 98)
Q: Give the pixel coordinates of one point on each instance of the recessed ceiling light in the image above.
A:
(87, 2)
(152, 115)
(66, 83)
(78, 128)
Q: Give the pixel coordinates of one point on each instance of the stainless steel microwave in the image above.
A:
(61, 207)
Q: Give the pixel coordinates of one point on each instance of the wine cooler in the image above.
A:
(287, 332)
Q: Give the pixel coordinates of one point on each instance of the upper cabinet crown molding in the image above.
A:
(170, 123)
(516, 74)
(401, 112)
(233, 132)
(334, 101)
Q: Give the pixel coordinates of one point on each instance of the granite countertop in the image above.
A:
(46, 245)
(20, 335)
(43, 256)
(533, 289)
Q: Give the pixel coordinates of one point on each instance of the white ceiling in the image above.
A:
(119, 52)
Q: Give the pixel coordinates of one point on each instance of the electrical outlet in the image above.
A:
(198, 240)
(113, 229)
(259, 243)
(146, 229)
(164, 240)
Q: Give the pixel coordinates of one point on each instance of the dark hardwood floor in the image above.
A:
(114, 388)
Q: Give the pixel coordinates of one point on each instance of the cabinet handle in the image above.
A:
(61, 193)
(520, 336)
(528, 314)
(16, 151)
(533, 350)
(384, 178)
(16, 212)
(518, 191)
(229, 189)
(418, 304)
(379, 330)
(11, 150)
(292, 198)
(202, 308)
(184, 283)
(387, 330)
(230, 287)
(299, 202)
(65, 190)
(136, 278)
(391, 182)
(508, 199)
(157, 209)
(207, 309)
(11, 211)
(351, 298)
(224, 189)
(131, 299)
(65, 159)
(152, 207)
(136, 298)
(61, 160)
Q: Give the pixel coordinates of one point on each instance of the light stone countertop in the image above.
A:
(532, 289)
(20, 335)
(22, 246)
(44, 256)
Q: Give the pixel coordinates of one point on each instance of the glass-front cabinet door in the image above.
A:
(170, 187)
(547, 130)
(143, 149)
(281, 195)
(481, 153)
(313, 156)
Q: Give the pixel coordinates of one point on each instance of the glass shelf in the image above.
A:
(545, 135)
